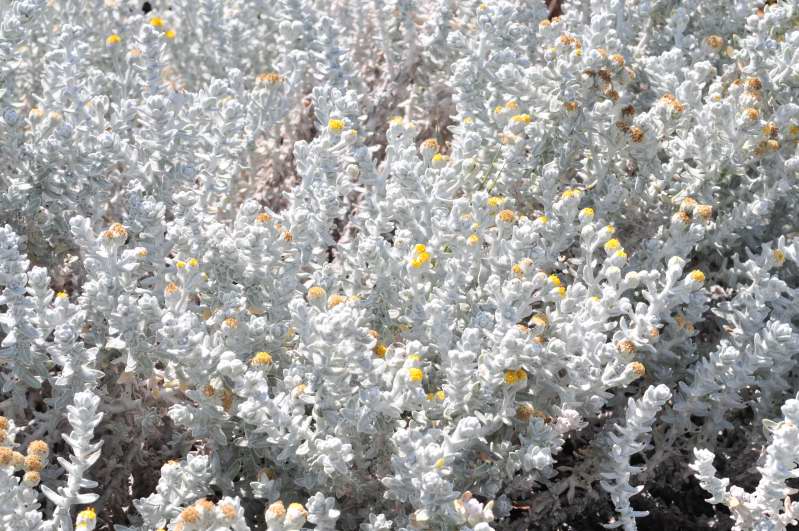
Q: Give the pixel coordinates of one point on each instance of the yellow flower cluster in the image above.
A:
(495, 201)
(335, 126)
(539, 319)
(158, 22)
(513, 377)
(86, 519)
(335, 299)
(438, 395)
(260, 359)
(697, 276)
(612, 245)
(270, 78)
(380, 350)
(506, 216)
(316, 293)
(430, 144)
(626, 346)
(638, 368)
(420, 256)
(116, 231)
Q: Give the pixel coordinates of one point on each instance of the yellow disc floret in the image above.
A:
(512, 377)
(570, 193)
(116, 231)
(626, 346)
(539, 319)
(228, 511)
(276, 511)
(714, 41)
(495, 201)
(420, 259)
(270, 78)
(33, 462)
(506, 216)
(298, 508)
(430, 144)
(260, 359)
(751, 113)
(697, 276)
(335, 126)
(6, 456)
(316, 293)
(612, 245)
(190, 515)
(31, 478)
(380, 350)
(335, 299)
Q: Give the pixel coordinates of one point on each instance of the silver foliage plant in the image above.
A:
(398, 264)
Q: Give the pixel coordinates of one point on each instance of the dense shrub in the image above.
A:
(399, 264)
